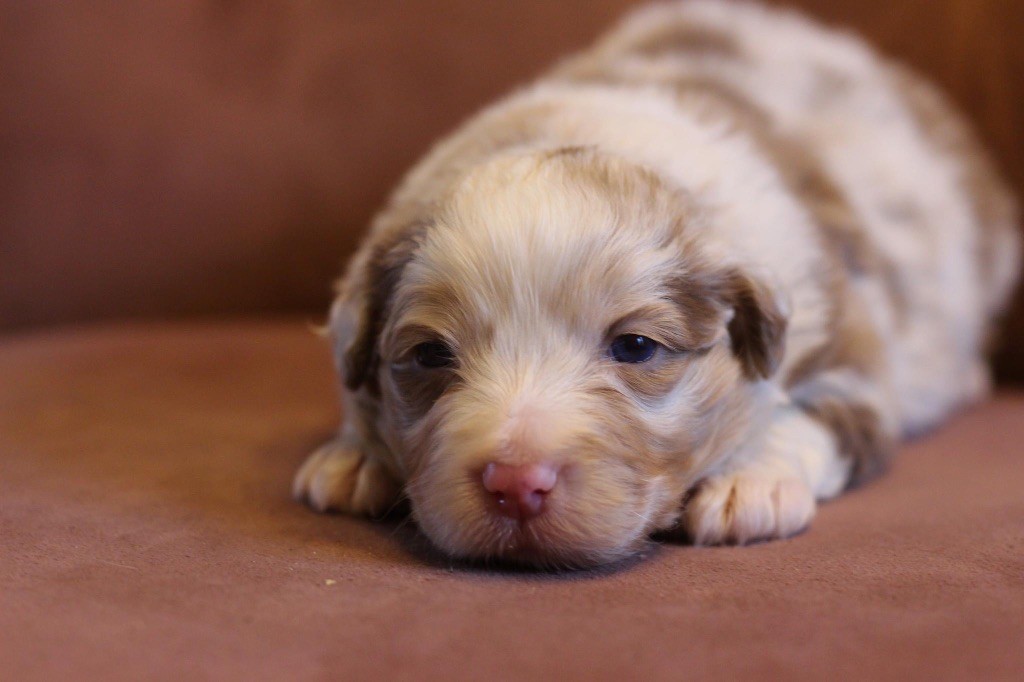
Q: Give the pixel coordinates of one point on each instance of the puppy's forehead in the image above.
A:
(568, 231)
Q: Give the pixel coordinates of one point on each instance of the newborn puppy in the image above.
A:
(697, 278)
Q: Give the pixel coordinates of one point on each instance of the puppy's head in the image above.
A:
(553, 355)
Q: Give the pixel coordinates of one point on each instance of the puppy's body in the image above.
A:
(807, 231)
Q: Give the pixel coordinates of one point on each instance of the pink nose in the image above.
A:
(520, 490)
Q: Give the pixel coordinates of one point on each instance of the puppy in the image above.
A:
(698, 277)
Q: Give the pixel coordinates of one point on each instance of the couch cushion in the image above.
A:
(146, 530)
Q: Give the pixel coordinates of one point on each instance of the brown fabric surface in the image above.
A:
(202, 156)
(146, 532)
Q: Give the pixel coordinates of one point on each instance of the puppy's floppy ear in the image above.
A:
(758, 326)
(359, 313)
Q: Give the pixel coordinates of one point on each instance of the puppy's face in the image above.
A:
(556, 357)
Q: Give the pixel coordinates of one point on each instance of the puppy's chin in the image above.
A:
(592, 518)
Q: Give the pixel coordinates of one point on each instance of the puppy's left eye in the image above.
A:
(633, 348)
(434, 354)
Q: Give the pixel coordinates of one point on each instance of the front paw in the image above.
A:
(337, 477)
(746, 506)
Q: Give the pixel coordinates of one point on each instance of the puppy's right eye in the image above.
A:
(633, 348)
(434, 355)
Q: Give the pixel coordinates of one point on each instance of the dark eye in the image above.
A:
(633, 348)
(434, 354)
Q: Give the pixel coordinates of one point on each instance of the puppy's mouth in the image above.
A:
(521, 519)
(557, 540)
(527, 543)
(521, 543)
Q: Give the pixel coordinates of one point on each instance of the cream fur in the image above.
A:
(632, 191)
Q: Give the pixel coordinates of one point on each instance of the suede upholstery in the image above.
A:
(146, 532)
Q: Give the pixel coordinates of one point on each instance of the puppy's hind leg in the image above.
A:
(341, 476)
(856, 411)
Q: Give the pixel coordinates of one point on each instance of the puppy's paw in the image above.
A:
(746, 506)
(337, 477)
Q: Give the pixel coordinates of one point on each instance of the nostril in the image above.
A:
(507, 506)
(540, 478)
(496, 477)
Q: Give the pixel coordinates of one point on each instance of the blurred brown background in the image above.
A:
(204, 157)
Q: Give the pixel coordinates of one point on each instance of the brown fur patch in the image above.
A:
(758, 329)
(991, 198)
(375, 285)
(859, 431)
(688, 40)
(418, 389)
(687, 322)
(856, 350)
(655, 378)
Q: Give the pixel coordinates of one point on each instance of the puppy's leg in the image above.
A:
(341, 476)
(860, 413)
(829, 434)
(770, 494)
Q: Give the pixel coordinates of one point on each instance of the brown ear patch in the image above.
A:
(418, 390)
(758, 327)
(375, 286)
